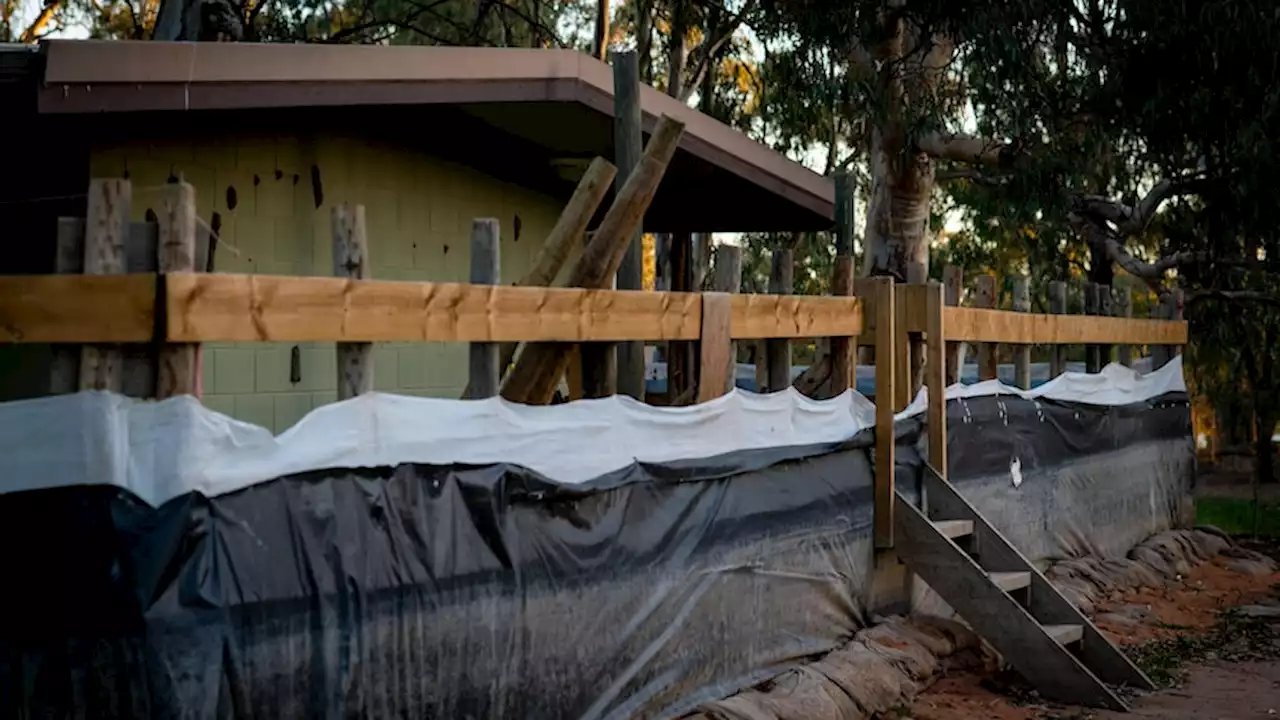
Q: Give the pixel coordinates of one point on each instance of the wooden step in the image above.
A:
(954, 528)
(1065, 634)
(1010, 581)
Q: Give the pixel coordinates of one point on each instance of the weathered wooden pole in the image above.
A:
(844, 362)
(935, 369)
(953, 282)
(351, 260)
(541, 365)
(1057, 306)
(728, 279)
(1022, 352)
(106, 232)
(64, 371)
(1124, 309)
(567, 232)
(1092, 353)
(484, 374)
(985, 297)
(627, 145)
(1105, 309)
(715, 360)
(177, 372)
(886, 338)
(778, 350)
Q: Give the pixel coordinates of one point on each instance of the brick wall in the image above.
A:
(418, 211)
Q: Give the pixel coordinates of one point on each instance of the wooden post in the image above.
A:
(64, 371)
(1104, 310)
(599, 369)
(935, 368)
(176, 372)
(778, 350)
(1170, 308)
(1159, 353)
(1092, 355)
(1022, 352)
(728, 279)
(716, 366)
(905, 360)
(106, 230)
(627, 146)
(351, 260)
(844, 362)
(567, 233)
(1057, 306)
(985, 297)
(953, 282)
(486, 269)
(886, 339)
(1124, 309)
(541, 365)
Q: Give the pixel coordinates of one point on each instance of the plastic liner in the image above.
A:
(1066, 479)
(429, 591)
(491, 591)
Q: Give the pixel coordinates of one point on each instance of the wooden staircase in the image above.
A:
(1008, 602)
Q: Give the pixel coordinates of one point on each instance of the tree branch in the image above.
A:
(972, 175)
(709, 49)
(959, 147)
(32, 33)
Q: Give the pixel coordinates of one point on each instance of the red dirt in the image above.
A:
(1190, 606)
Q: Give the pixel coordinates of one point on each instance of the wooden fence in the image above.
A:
(175, 310)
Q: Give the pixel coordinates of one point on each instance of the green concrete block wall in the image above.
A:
(418, 212)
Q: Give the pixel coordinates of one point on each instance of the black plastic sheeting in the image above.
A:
(438, 592)
(492, 592)
(1062, 479)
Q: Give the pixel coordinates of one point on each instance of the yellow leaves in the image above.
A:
(648, 262)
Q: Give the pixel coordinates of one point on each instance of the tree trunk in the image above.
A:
(676, 55)
(1263, 463)
(644, 39)
(601, 46)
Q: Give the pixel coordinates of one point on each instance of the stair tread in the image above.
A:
(954, 528)
(1065, 634)
(1009, 581)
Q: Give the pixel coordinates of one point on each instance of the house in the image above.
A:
(271, 136)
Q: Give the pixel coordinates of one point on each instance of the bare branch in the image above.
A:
(1234, 296)
(959, 147)
(972, 175)
(1134, 220)
(34, 30)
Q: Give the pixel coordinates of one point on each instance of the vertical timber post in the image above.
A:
(778, 350)
(728, 279)
(106, 231)
(176, 372)
(627, 147)
(1022, 352)
(985, 297)
(484, 373)
(953, 281)
(1092, 353)
(904, 375)
(1124, 309)
(1057, 306)
(351, 261)
(715, 363)
(886, 357)
(64, 371)
(843, 349)
(1105, 309)
(935, 368)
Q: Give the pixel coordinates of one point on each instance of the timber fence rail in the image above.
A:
(175, 310)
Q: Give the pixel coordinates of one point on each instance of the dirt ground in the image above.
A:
(1214, 661)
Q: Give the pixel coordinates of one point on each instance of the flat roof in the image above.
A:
(558, 100)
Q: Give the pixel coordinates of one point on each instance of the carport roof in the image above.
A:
(545, 106)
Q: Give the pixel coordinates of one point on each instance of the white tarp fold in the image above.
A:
(160, 450)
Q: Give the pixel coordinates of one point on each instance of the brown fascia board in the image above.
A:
(90, 76)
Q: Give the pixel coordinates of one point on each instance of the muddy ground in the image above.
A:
(1211, 640)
